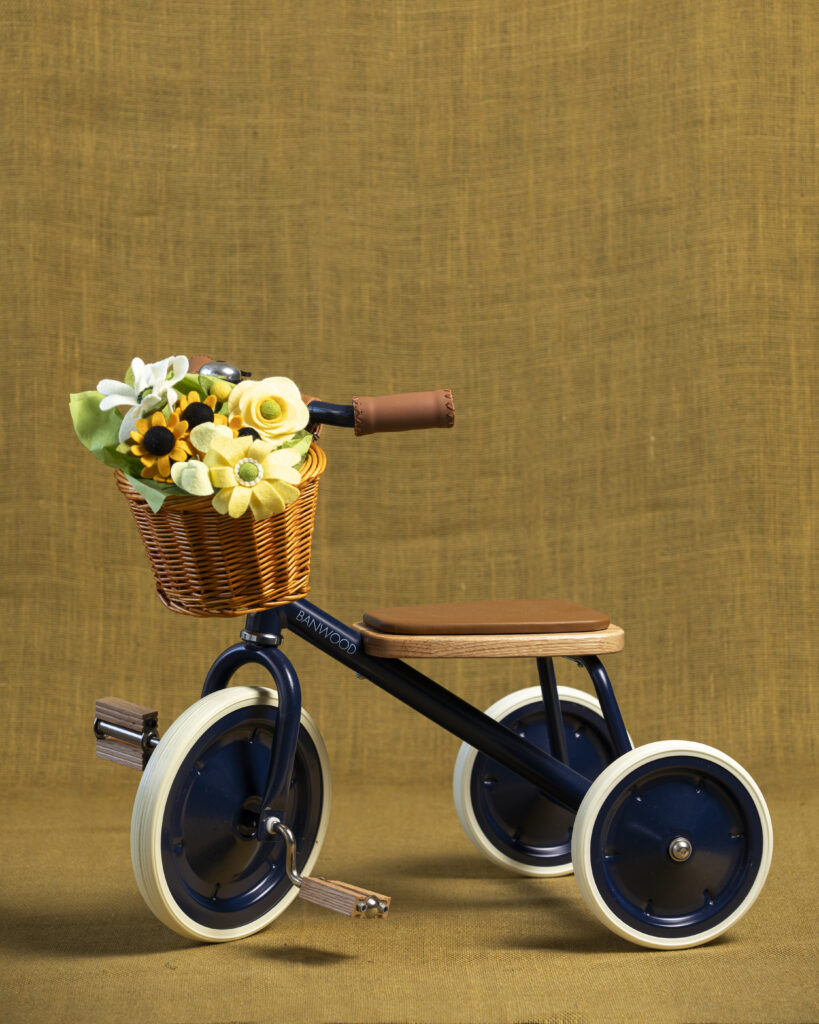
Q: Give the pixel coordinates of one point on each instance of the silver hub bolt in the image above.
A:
(680, 849)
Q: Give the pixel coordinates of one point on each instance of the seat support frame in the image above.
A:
(344, 644)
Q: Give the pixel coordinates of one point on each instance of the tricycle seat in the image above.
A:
(488, 629)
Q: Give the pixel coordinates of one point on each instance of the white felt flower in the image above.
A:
(152, 388)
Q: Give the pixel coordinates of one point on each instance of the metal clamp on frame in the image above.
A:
(263, 629)
(261, 639)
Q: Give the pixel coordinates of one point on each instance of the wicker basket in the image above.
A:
(207, 564)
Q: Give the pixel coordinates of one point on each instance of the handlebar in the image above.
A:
(416, 410)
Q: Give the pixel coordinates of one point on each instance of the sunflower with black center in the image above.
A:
(157, 442)
(193, 410)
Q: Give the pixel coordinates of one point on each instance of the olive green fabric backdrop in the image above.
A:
(595, 221)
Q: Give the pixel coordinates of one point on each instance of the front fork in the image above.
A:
(262, 649)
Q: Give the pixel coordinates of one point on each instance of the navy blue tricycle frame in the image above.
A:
(545, 769)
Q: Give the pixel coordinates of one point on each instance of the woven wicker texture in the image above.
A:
(206, 564)
(594, 220)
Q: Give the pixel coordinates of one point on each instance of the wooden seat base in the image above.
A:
(491, 645)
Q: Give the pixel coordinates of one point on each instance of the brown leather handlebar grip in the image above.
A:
(419, 410)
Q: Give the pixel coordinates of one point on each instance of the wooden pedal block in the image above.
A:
(341, 897)
(124, 715)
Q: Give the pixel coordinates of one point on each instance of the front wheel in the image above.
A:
(672, 844)
(196, 859)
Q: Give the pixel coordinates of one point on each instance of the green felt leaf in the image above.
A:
(191, 382)
(113, 457)
(154, 493)
(99, 432)
(301, 441)
(297, 439)
(94, 428)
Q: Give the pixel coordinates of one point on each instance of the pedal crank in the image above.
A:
(352, 900)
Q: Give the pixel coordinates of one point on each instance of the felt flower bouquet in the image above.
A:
(174, 432)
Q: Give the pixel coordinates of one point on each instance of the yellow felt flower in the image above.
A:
(249, 473)
(272, 407)
(221, 390)
(194, 411)
(201, 436)
(157, 442)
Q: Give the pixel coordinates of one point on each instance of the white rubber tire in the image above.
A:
(155, 785)
(461, 780)
(586, 818)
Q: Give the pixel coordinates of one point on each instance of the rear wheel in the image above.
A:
(507, 818)
(672, 844)
(196, 859)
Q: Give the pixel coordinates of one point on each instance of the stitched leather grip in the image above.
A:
(419, 410)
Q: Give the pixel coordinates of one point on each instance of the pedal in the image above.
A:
(126, 732)
(351, 900)
(347, 899)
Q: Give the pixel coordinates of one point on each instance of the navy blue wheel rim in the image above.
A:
(517, 818)
(217, 872)
(677, 796)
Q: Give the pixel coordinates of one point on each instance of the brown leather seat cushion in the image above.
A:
(470, 617)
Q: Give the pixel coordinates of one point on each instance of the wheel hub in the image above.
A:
(247, 820)
(680, 849)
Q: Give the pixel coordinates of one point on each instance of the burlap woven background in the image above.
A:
(596, 221)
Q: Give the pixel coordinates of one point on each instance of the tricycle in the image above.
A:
(670, 842)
